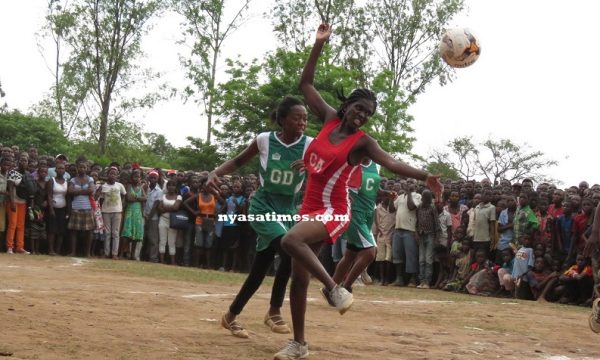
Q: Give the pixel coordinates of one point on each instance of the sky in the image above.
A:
(533, 83)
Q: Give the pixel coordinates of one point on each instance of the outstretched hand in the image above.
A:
(213, 183)
(323, 33)
(434, 184)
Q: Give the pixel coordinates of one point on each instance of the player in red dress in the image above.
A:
(330, 160)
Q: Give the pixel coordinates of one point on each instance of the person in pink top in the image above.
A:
(331, 159)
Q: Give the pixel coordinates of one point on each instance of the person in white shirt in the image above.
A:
(111, 195)
(405, 252)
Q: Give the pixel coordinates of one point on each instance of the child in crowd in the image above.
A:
(505, 227)
(575, 284)
(428, 228)
(505, 273)
(545, 220)
(133, 225)
(169, 203)
(384, 224)
(462, 264)
(445, 261)
(111, 195)
(580, 225)
(482, 277)
(230, 239)
(563, 227)
(539, 278)
(36, 219)
(524, 261)
(525, 222)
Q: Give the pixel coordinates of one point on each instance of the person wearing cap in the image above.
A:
(52, 171)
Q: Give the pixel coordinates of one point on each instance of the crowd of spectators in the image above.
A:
(504, 239)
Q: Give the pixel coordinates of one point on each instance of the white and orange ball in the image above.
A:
(459, 47)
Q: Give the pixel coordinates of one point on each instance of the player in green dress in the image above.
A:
(361, 247)
(281, 176)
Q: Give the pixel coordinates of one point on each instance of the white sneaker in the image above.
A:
(425, 286)
(293, 350)
(9, 251)
(341, 298)
(366, 278)
(358, 282)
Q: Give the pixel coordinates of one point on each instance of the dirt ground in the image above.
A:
(69, 308)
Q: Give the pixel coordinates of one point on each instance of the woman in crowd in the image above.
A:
(81, 220)
(57, 210)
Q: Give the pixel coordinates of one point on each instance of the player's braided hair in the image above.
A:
(353, 97)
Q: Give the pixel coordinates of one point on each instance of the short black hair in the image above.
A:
(283, 109)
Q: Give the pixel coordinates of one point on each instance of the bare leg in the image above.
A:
(88, 242)
(73, 238)
(298, 292)
(362, 260)
(549, 286)
(298, 243)
(344, 266)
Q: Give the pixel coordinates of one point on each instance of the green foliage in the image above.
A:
(254, 91)
(198, 156)
(493, 159)
(206, 28)
(444, 170)
(103, 40)
(390, 45)
(26, 130)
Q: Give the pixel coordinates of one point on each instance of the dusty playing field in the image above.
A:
(67, 308)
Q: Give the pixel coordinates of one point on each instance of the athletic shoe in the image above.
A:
(366, 278)
(9, 251)
(279, 326)
(424, 286)
(594, 319)
(235, 327)
(293, 350)
(358, 282)
(341, 298)
(22, 251)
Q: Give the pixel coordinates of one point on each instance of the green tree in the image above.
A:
(198, 155)
(26, 130)
(493, 159)
(207, 29)
(103, 42)
(391, 45)
(254, 91)
(444, 170)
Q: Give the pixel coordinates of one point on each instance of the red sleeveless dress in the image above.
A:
(329, 174)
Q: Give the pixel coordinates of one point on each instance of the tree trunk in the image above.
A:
(102, 138)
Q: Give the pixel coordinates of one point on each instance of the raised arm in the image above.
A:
(313, 99)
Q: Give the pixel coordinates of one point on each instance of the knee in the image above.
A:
(289, 242)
